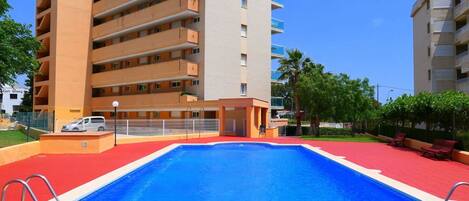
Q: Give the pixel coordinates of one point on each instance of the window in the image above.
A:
(428, 5)
(13, 96)
(428, 27)
(196, 20)
(195, 114)
(429, 51)
(195, 82)
(429, 75)
(156, 115)
(115, 90)
(175, 114)
(175, 84)
(244, 4)
(126, 89)
(195, 50)
(244, 89)
(244, 60)
(244, 31)
(142, 87)
(142, 114)
(157, 85)
(115, 65)
(143, 60)
(97, 120)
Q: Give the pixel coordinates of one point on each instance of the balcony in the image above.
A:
(463, 85)
(278, 26)
(180, 38)
(276, 4)
(462, 35)
(42, 5)
(276, 103)
(278, 51)
(275, 77)
(163, 12)
(133, 102)
(43, 24)
(461, 9)
(462, 61)
(172, 70)
(105, 8)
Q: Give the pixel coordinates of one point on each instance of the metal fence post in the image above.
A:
(127, 128)
(193, 126)
(164, 128)
(29, 128)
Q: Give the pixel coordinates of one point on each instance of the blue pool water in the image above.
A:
(245, 172)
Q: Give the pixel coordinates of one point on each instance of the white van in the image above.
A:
(90, 124)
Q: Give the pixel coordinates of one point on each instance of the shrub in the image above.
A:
(291, 131)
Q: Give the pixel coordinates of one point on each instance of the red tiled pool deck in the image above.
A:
(69, 171)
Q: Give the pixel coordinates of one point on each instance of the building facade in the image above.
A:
(441, 36)
(161, 59)
(11, 98)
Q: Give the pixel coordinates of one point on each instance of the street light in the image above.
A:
(115, 104)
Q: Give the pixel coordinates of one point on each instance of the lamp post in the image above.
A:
(115, 104)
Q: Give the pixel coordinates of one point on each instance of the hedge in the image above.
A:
(423, 135)
(291, 131)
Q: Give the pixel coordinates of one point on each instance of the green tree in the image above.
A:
(27, 101)
(319, 94)
(355, 101)
(291, 68)
(18, 48)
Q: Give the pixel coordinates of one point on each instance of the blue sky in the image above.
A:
(363, 38)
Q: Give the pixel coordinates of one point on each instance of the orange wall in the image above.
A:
(19, 152)
(76, 144)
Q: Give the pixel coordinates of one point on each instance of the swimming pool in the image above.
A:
(244, 171)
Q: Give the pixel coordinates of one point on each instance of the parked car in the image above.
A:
(94, 123)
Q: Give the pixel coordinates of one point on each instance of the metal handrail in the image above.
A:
(46, 181)
(454, 188)
(25, 185)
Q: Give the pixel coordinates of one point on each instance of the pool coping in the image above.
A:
(88, 188)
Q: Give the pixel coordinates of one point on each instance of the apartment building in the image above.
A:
(11, 97)
(441, 37)
(160, 59)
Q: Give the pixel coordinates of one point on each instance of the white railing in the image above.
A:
(163, 127)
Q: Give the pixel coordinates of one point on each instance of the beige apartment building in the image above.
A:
(441, 37)
(160, 59)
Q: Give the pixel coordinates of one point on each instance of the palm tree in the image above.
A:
(290, 68)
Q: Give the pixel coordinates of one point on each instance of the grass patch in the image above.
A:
(9, 138)
(342, 138)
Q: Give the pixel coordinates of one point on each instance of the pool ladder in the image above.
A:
(454, 189)
(25, 184)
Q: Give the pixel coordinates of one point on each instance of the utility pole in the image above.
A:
(377, 92)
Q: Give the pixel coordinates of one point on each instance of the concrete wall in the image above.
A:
(422, 41)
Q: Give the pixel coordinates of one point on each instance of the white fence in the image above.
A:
(163, 127)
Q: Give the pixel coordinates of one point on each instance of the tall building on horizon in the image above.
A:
(161, 59)
(441, 37)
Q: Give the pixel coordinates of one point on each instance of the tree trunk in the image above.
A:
(316, 121)
(298, 115)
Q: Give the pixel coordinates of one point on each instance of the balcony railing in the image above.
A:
(278, 26)
(176, 69)
(170, 40)
(278, 51)
(276, 103)
(142, 101)
(165, 11)
(461, 8)
(275, 76)
(276, 4)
